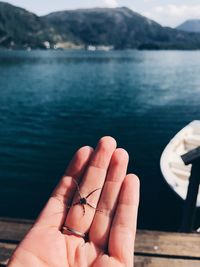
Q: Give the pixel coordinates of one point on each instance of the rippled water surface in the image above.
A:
(51, 103)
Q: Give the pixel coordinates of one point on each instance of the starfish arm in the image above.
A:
(75, 203)
(83, 210)
(91, 206)
(94, 207)
(77, 186)
(92, 192)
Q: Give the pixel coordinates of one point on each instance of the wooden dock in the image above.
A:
(152, 249)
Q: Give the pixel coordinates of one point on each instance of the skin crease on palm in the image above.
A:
(110, 229)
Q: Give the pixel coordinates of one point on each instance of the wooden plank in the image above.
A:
(142, 261)
(147, 242)
(164, 243)
(12, 230)
(6, 251)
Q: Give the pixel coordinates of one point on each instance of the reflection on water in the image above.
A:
(53, 102)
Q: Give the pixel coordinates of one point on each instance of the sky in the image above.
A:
(166, 12)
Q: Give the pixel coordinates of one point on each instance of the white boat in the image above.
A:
(175, 172)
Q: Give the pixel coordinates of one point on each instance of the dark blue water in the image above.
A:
(51, 103)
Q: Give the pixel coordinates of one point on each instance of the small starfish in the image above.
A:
(83, 200)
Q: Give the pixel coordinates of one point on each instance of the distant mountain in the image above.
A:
(192, 25)
(121, 28)
(20, 28)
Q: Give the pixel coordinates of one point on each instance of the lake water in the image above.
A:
(51, 103)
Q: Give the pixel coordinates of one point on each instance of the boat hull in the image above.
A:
(172, 167)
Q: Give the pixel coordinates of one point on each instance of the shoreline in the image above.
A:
(83, 49)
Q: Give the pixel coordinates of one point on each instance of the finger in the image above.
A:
(122, 234)
(80, 217)
(66, 188)
(54, 212)
(100, 228)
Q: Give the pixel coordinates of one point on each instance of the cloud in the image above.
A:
(110, 3)
(173, 15)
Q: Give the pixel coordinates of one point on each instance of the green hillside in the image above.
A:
(121, 28)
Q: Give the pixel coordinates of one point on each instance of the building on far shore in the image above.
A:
(99, 47)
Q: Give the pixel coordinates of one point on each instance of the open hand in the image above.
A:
(110, 228)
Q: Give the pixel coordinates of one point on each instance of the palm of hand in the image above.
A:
(57, 250)
(110, 233)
